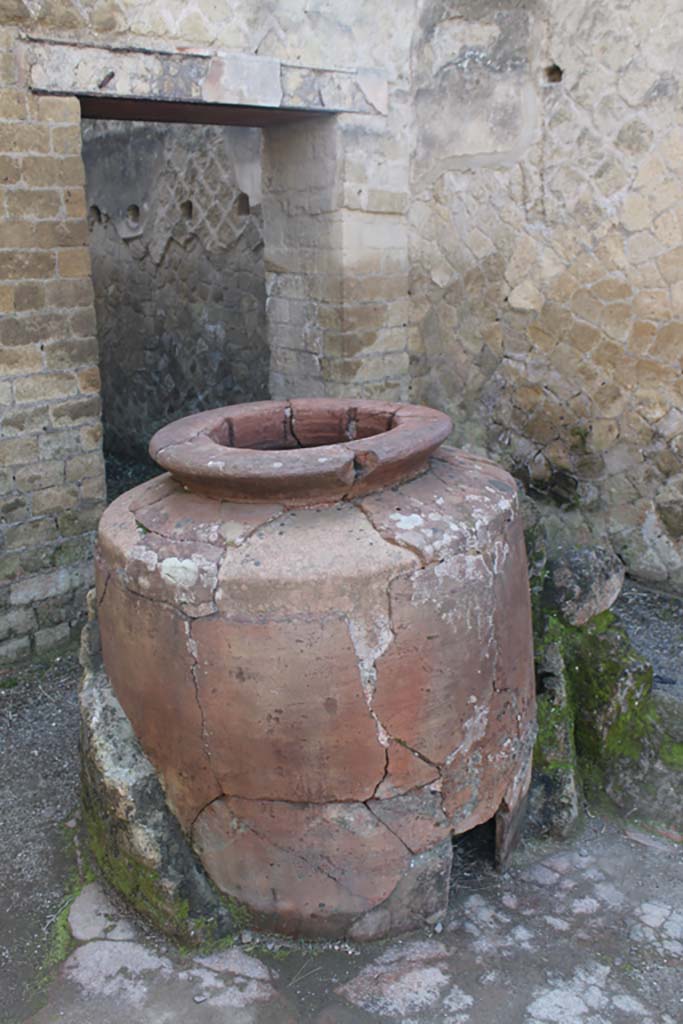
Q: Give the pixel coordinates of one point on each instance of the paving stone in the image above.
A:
(582, 582)
(92, 916)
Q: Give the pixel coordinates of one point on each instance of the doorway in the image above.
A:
(176, 239)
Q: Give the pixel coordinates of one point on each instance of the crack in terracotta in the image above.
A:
(384, 775)
(391, 537)
(411, 572)
(382, 600)
(316, 868)
(367, 657)
(104, 589)
(191, 647)
(175, 444)
(290, 423)
(437, 782)
(128, 585)
(389, 829)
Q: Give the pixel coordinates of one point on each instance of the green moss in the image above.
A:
(8, 682)
(143, 891)
(61, 940)
(555, 732)
(550, 630)
(602, 623)
(608, 701)
(240, 914)
(611, 694)
(215, 945)
(136, 882)
(281, 953)
(671, 754)
(579, 437)
(608, 695)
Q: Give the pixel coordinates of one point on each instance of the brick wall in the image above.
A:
(51, 470)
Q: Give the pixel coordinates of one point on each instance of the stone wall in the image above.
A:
(494, 225)
(547, 255)
(177, 260)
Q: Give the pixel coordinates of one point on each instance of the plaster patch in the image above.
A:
(407, 522)
(181, 572)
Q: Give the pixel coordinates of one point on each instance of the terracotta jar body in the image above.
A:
(318, 624)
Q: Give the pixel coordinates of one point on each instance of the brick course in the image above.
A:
(51, 472)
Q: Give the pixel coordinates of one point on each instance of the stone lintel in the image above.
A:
(232, 78)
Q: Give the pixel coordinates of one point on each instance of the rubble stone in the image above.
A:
(135, 840)
(582, 582)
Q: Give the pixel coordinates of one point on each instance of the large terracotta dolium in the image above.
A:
(318, 623)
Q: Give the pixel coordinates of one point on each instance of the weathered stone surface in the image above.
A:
(640, 732)
(555, 786)
(669, 505)
(243, 78)
(652, 786)
(148, 655)
(603, 731)
(611, 688)
(136, 841)
(582, 582)
(545, 324)
(401, 981)
(92, 916)
(150, 984)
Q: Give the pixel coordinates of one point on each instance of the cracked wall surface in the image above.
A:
(176, 240)
(546, 242)
(327, 694)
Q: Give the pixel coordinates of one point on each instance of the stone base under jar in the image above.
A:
(143, 853)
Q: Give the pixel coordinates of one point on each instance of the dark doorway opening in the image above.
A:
(176, 239)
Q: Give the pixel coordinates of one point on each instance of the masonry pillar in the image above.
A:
(336, 253)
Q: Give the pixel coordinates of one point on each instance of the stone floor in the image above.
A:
(589, 931)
